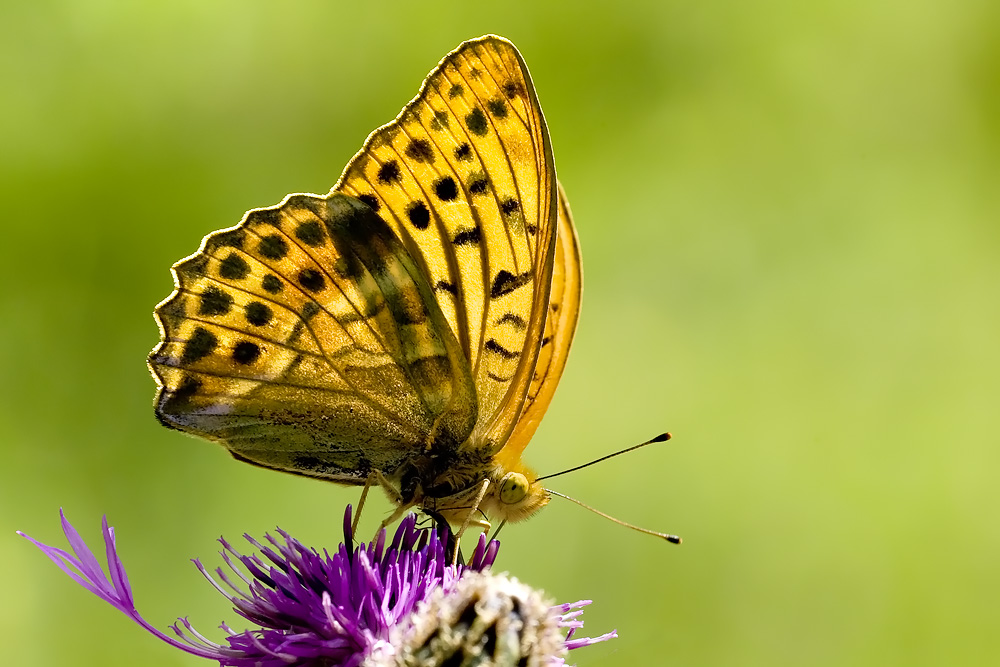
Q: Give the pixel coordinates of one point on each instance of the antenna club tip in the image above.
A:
(673, 539)
(663, 437)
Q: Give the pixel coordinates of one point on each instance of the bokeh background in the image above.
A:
(790, 218)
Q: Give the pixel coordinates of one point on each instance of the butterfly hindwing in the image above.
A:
(307, 339)
(560, 325)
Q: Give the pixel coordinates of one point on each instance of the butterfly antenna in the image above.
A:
(673, 539)
(663, 437)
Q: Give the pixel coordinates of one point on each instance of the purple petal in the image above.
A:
(308, 607)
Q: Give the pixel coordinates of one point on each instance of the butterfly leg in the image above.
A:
(376, 477)
(468, 518)
(395, 497)
(395, 516)
(372, 478)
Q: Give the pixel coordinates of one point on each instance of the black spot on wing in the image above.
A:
(258, 314)
(478, 184)
(497, 107)
(512, 89)
(388, 173)
(214, 302)
(311, 279)
(371, 201)
(476, 121)
(234, 267)
(246, 352)
(509, 205)
(420, 150)
(440, 121)
(418, 214)
(445, 286)
(497, 348)
(273, 246)
(468, 236)
(463, 152)
(505, 282)
(456, 90)
(201, 344)
(446, 189)
(271, 284)
(516, 321)
(310, 233)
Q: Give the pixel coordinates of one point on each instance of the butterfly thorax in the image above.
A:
(449, 484)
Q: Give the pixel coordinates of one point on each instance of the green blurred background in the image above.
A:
(790, 218)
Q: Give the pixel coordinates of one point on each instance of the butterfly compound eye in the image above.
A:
(513, 488)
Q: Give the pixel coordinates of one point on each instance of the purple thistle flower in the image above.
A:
(375, 605)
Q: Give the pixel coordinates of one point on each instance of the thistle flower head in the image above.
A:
(379, 604)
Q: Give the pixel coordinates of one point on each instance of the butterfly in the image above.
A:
(406, 329)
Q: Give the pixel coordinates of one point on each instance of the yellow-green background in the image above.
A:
(790, 218)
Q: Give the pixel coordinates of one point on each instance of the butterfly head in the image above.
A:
(517, 496)
(512, 495)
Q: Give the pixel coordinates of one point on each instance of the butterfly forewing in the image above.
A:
(307, 339)
(464, 175)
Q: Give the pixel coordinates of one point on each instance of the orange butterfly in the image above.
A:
(407, 329)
